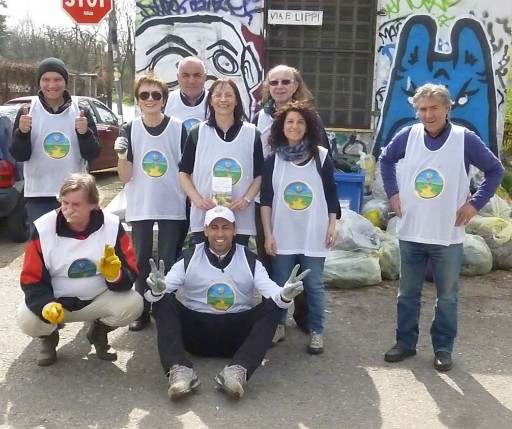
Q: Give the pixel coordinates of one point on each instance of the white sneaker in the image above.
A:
(279, 335)
(232, 380)
(182, 380)
(316, 344)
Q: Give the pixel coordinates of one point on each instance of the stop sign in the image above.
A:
(87, 11)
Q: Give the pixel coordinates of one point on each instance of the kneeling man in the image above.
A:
(79, 267)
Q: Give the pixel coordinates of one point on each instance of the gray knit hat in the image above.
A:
(52, 64)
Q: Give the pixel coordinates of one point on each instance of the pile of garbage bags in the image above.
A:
(367, 249)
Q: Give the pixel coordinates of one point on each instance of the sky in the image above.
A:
(41, 12)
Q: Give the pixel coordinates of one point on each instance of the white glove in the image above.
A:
(156, 279)
(293, 285)
(121, 147)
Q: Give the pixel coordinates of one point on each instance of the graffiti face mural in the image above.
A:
(161, 43)
(466, 70)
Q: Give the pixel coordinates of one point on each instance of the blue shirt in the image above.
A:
(475, 153)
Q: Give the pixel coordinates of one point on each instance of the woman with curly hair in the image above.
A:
(299, 205)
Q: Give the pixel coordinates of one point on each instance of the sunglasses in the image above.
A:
(155, 95)
(284, 82)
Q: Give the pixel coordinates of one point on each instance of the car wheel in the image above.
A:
(17, 223)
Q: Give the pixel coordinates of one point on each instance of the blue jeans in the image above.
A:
(446, 263)
(282, 266)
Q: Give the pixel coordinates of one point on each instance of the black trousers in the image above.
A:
(142, 237)
(244, 337)
(264, 258)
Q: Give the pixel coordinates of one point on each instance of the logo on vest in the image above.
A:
(189, 123)
(220, 296)
(429, 183)
(56, 145)
(227, 167)
(81, 268)
(298, 196)
(154, 164)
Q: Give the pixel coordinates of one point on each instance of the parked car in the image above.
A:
(106, 122)
(12, 203)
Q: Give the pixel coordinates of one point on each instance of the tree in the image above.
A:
(4, 33)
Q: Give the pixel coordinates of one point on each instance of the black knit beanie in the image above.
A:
(52, 64)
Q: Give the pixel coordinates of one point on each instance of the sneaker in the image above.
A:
(232, 379)
(279, 335)
(443, 361)
(182, 380)
(316, 344)
(398, 353)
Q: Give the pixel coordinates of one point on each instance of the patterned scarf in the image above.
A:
(293, 153)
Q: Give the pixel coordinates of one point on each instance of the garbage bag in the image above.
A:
(500, 229)
(345, 269)
(496, 207)
(355, 232)
(389, 259)
(477, 258)
(383, 208)
(391, 226)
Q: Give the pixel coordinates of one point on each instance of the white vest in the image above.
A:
(189, 115)
(213, 156)
(154, 191)
(299, 210)
(264, 124)
(55, 150)
(433, 186)
(211, 290)
(74, 264)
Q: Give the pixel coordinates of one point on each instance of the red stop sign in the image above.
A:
(87, 11)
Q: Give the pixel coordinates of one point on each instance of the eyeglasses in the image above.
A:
(226, 95)
(155, 95)
(284, 82)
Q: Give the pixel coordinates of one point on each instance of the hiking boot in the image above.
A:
(398, 353)
(443, 361)
(97, 336)
(48, 353)
(279, 335)
(140, 323)
(182, 381)
(232, 380)
(316, 344)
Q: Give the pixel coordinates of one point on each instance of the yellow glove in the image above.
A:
(110, 264)
(53, 312)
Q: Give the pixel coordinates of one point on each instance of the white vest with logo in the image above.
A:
(189, 115)
(299, 210)
(74, 264)
(216, 157)
(55, 151)
(264, 124)
(433, 186)
(211, 290)
(154, 191)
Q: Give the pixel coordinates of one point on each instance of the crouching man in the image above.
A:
(217, 316)
(79, 267)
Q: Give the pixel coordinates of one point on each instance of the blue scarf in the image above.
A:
(293, 153)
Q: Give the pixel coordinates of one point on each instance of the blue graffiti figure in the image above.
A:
(467, 72)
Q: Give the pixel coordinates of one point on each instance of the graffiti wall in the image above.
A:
(226, 34)
(462, 44)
